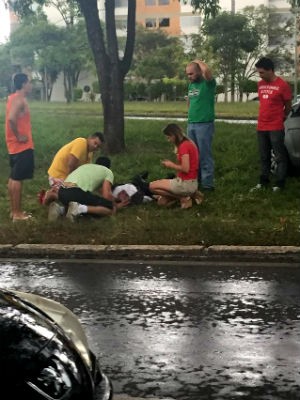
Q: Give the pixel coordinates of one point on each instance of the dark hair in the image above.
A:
(265, 63)
(105, 161)
(176, 131)
(19, 80)
(98, 135)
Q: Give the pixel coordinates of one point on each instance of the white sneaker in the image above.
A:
(276, 188)
(54, 211)
(73, 211)
(259, 186)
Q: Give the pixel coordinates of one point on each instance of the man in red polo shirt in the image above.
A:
(275, 97)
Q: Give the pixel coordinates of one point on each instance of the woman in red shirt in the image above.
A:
(184, 186)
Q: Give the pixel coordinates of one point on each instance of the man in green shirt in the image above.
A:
(201, 116)
(78, 192)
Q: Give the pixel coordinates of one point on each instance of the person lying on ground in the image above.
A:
(77, 193)
(185, 186)
(136, 191)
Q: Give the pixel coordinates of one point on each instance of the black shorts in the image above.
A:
(66, 195)
(22, 165)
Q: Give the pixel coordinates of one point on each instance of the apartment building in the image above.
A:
(172, 16)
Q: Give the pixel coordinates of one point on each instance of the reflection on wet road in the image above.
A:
(186, 332)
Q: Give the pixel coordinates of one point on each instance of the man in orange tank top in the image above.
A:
(19, 144)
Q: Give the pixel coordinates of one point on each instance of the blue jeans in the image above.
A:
(202, 135)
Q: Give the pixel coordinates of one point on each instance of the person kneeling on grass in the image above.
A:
(77, 193)
(184, 186)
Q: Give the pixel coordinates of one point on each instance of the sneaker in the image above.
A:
(54, 211)
(259, 186)
(73, 211)
(276, 188)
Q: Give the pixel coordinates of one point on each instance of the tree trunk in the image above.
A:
(113, 112)
(110, 69)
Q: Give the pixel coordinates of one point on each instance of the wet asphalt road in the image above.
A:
(181, 331)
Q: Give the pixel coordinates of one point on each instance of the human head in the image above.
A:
(265, 69)
(21, 81)
(95, 141)
(174, 133)
(125, 193)
(193, 72)
(105, 161)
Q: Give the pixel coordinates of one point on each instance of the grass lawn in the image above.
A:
(230, 215)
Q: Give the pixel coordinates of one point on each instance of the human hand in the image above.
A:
(167, 163)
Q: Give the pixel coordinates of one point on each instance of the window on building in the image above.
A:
(163, 22)
(121, 3)
(150, 2)
(150, 23)
(163, 2)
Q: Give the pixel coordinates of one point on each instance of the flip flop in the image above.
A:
(24, 217)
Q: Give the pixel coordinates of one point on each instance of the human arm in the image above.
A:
(287, 107)
(184, 166)
(72, 163)
(106, 190)
(206, 71)
(17, 107)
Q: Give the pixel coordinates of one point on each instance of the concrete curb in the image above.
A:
(125, 397)
(287, 254)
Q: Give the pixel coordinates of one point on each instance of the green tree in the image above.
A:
(152, 54)
(111, 68)
(5, 70)
(231, 37)
(35, 44)
(273, 31)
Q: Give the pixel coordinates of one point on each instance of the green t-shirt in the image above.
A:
(90, 177)
(202, 101)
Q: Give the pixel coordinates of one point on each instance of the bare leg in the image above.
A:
(15, 197)
(162, 187)
(99, 210)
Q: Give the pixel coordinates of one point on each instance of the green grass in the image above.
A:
(230, 215)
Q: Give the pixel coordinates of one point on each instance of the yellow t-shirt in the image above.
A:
(78, 148)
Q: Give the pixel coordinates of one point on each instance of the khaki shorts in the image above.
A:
(183, 188)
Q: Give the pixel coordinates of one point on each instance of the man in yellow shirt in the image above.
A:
(75, 153)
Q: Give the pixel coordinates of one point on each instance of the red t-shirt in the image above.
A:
(272, 97)
(188, 147)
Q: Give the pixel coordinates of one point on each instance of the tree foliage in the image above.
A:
(152, 54)
(49, 50)
(5, 70)
(111, 68)
(230, 36)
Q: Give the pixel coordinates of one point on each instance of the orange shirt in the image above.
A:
(23, 126)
